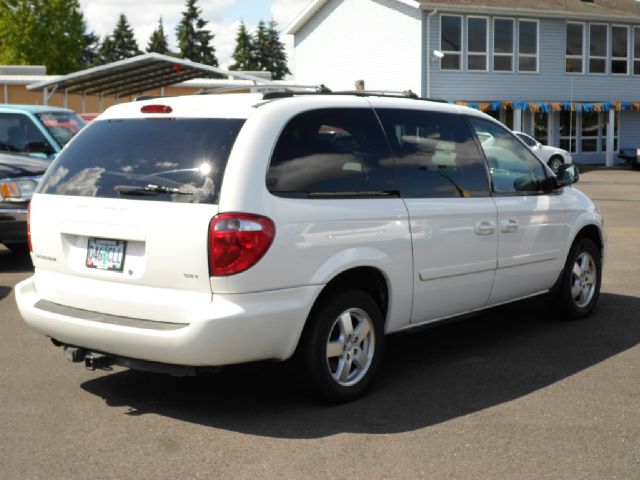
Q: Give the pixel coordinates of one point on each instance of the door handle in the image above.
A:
(509, 226)
(485, 228)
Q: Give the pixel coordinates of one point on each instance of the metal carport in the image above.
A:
(133, 76)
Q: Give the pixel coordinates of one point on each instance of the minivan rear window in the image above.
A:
(178, 160)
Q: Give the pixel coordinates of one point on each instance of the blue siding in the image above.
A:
(550, 84)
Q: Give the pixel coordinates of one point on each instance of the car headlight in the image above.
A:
(18, 189)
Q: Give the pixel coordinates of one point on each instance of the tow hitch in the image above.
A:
(92, 361)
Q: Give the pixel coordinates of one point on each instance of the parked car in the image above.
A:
(241, 231)
(630, 156)
(37, 130)
(552, 156)
(19, 176)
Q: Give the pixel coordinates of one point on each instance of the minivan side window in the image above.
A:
(514, 168)
(331, 153)
(436, 154)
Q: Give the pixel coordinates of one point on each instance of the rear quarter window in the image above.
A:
(332, 152)
(184, 159)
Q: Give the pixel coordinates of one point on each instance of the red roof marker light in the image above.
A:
(156, 109)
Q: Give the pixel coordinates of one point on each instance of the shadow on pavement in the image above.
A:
(14, 262)
(427, 377)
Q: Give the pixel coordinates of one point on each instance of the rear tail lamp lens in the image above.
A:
(29, 228)
(156, 109)
(237, 241)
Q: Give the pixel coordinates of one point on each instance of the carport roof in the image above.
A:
(135, 75)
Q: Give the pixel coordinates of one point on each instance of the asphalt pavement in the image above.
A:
(513, 393)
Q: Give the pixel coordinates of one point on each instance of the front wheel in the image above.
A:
(576, 294)
(554, 163)
(341, 347)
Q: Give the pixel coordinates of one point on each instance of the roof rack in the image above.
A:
(322, 90)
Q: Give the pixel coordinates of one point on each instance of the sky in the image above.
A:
(224, 17)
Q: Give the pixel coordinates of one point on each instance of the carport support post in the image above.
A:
(610, 134)
(45, 96)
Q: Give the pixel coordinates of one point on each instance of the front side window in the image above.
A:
(18, 133)
(477, 44)
(502, 45)
(527, 46)
(619, 50)
(574, 56)
(436, 154)
(451, 42)
(329, 153)
(514, 168)
(597, 48)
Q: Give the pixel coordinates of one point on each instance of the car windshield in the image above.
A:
(61, 125)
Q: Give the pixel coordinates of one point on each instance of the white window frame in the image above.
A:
(485, 54)
(598, 57)
(451, 52)
(530, 55)
(576, 57)
(597, 137)
(573, 139)
(612, 58)
(636, 52)
(513, 46)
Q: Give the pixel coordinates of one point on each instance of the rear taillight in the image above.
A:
(156, 109)
(29, 227)
(237, 241)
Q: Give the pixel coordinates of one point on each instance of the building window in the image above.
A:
(574, 57)
(598, 48)
(636, 50)
(540, 127)
(527, 46)
(590, 131)
(502, 45)
(619, 49)
(477, 44)
(568, 131)
(451, 42)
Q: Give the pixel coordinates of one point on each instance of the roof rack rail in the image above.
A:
(322, 90)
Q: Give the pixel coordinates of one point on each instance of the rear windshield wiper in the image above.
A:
(368, 194)
(150, 189)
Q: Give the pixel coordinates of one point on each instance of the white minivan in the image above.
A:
(180, 234)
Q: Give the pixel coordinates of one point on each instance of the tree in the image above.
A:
(158, 42)
(244, 55)
(42, 32)
(90, 56)
(261, 46)
(275, 60)
(193, 39)
(124, 42)
(107, 52)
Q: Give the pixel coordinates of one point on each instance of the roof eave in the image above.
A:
(528, 12)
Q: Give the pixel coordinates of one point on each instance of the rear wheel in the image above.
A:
(341, 347)
(554, 163)
(576, 294)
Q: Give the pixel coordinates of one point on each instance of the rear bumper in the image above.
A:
(233, 329)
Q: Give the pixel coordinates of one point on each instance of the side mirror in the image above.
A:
(568, 174)
(38, 147)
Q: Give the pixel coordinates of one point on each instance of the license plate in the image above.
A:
(105, 254)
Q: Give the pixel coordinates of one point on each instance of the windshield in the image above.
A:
(61, 125)
(146, 159)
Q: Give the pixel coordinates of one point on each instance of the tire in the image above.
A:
(18, 248)
(554, 163)
(578, 288)
(341, 346)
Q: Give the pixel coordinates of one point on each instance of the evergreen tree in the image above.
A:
(193, 39)
(124, 42)
(158, 42)
(244, 54)
(107, 52)
(90, 56)
(276, 57)
(261, 47)
(42, 32)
